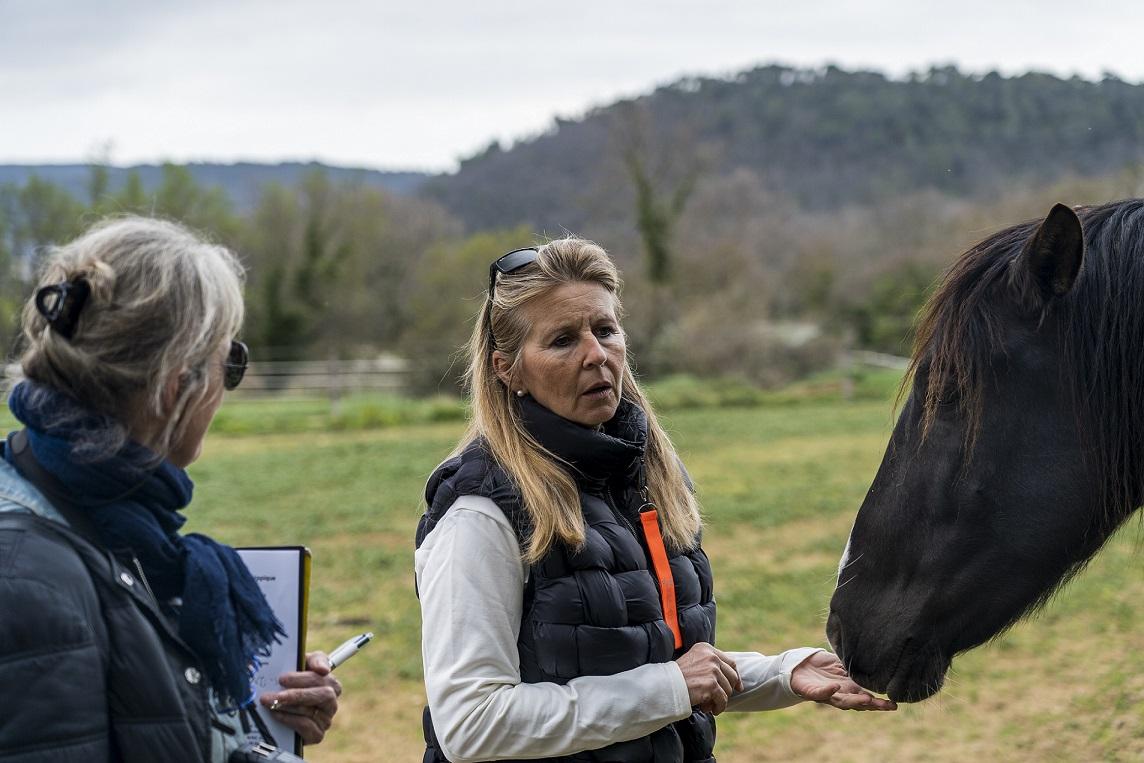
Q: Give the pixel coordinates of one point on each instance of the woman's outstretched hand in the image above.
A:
(822, 678)
(711, 677)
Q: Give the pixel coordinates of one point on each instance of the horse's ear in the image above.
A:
(1054, 253)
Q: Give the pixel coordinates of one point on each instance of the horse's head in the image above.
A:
(995, 485)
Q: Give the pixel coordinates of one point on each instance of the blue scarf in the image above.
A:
(133, 501)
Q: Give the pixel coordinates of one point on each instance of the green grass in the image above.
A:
(366, 411)
(246, 416)
(779, 483)
(779, 474)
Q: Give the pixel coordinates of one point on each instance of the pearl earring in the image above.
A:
(520, 393)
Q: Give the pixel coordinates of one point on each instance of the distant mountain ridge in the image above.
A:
(240, 181)
(822, 137)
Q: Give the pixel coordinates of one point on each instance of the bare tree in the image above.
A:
(663, 168)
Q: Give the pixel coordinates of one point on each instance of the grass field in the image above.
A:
(779, 485)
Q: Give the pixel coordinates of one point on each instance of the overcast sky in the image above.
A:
(419, 84)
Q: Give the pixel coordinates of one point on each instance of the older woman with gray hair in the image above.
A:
(120, 638)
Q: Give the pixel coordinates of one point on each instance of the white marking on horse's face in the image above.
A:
(845, 559)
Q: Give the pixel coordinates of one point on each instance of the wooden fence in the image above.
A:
(323, 378)
(332, 379)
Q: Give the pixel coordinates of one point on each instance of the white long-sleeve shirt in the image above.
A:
(470, 579)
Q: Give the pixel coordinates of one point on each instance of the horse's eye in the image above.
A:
(942, 392)
(945, 393)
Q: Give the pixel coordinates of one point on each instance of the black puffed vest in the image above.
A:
(594, 610)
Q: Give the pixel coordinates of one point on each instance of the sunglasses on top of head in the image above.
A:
(234, 368)
(505, 264)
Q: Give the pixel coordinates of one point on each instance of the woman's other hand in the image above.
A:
(823, 678)
(308, 700)
(711, 677)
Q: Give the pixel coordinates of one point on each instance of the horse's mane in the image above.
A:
(1102, 340)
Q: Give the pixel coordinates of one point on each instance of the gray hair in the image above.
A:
(163, 301)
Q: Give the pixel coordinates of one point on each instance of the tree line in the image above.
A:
(724, 276)
(334, 268)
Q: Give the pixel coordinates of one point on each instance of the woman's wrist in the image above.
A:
(681, 700)
(791, 659)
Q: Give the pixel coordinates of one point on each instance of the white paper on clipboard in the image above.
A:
(283, 575)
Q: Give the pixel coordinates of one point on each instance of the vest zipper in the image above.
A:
(609, 499)
(611, 504)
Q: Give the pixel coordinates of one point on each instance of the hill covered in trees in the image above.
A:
(824, 138)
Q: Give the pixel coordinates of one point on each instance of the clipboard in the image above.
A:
(283, 574)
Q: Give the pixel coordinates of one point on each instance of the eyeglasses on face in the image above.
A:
(237, 359)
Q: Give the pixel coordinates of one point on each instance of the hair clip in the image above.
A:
(61, 303)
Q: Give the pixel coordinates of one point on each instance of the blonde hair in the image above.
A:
(550, 496)
(162, 303)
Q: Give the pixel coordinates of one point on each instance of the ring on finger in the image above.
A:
(274, 705)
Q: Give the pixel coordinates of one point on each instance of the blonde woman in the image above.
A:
(122, 639)
(566, 601)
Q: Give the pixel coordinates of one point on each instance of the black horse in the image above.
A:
(1018, 452)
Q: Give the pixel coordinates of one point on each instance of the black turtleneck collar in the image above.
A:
(596, 455)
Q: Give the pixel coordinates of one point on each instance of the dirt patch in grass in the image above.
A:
(366, 722)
